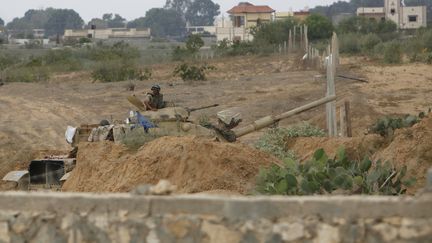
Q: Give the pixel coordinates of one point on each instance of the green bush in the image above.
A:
(104, 52)
(387, 125)
(349, 43)
(368, 42)
(392, 52)
(323, 175)
(26, 74)
(191, 72)
(194, 43)
(274, 140)
(119, 71)
(181, 54)
(7, 60)
(319, 27)
(275, 32)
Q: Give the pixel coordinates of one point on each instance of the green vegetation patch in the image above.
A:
(324, 175)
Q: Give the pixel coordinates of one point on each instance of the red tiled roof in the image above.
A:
(246, 7)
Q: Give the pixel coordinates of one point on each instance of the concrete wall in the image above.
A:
(49, 217)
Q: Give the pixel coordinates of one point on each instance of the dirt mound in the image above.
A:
(193, 164)
(409, 146)
(356, 148)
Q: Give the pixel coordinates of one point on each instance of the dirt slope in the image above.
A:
(193, 164)
(409, 146)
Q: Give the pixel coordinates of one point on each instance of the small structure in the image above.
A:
(412, 17)
(299, 15)
(201, 30)
(39, 33)
(105, 34)
(244, 16)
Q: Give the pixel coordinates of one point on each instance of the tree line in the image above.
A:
(169, 20)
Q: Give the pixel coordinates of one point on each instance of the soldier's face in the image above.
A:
(155, 91)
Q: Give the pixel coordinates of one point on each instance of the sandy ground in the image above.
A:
(34, 115)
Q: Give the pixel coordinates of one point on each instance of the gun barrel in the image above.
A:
(202, 108)
(269, 120)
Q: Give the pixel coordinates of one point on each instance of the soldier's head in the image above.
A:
(155, 89)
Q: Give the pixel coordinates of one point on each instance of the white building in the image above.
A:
(413, 17)
(104, 34)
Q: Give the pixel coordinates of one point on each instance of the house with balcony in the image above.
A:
(243, 18)
(405, 17)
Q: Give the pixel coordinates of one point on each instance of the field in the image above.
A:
(34, 116)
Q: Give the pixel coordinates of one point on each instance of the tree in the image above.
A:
(63, 19)
(114, 20)
(274, 32)
(319, 27)
(194, 43)
(1, 22)
(32, 19)
(180, 6)
(137, 23)
(98, 23)
(202, 12)
(162, 22)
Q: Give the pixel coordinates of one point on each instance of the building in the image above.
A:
(243, 17)
(104, 34)
(201, 30)
(413, 17)
(39, 33)
(299, 15)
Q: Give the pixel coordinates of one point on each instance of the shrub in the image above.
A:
(26, 74)
(191, 72)
(7, 60)
(322, 175)
(392, 52)
(180, 54)
(368, 42)
(103, 52)
(349, 43)
(115, 71)
(274, 140)
(387, 125)
(194, 43)
(273, 32)
(319, 27)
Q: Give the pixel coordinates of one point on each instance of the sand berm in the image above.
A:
(193, 164)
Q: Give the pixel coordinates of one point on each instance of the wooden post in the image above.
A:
(294, 38)
(285, 47)
(342, 121)
(347, 106)
(306, 38)
(331, 90)
(301, 37)
(290, 41)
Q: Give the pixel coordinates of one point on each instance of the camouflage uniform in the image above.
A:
(156, 101)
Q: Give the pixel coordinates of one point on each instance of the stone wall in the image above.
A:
(64, 217)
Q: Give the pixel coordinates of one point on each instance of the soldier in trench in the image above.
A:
(154, 100)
